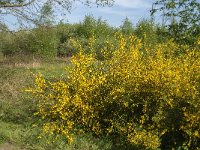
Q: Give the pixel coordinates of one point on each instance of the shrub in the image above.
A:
(12, 44)
(7, 44)
(91, 26)
(87, 27)
(127, 27)
(43, 42)
(150, 101)
(64, 33)
(181, 19)
(146, 31)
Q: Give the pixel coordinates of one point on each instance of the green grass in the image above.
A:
(17, 108)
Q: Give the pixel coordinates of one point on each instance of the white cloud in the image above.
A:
(134, 3)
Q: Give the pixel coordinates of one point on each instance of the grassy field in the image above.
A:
(17, 108)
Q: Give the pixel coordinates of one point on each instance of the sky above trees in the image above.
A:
(134, 10)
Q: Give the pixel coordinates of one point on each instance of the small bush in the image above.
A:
(127, 27)
(40, 42)
(43, 42)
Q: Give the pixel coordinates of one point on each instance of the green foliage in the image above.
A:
(91, 26)
(64, 32)
(8, 45)
(145, 27)
(55, 41)
(41, 42)
(127, 27)
(184, 18)
(146, 30)
(13, 44)
(103, 29)
(88, 31)
(87, 27)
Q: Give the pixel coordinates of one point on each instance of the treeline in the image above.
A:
(49, 42)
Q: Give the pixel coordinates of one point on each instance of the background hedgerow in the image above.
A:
(38, 43)
(50, 42)
(147, 98)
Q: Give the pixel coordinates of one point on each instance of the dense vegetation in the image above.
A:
(129, 87)
(149, 99)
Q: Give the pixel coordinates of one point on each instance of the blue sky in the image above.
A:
(135, 10)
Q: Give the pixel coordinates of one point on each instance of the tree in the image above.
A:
(39, 12)
(182, 17)
(127, 27)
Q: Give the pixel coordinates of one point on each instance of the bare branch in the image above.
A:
(16, 5)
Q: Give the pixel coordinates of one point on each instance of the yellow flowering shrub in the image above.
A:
(148, 97)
